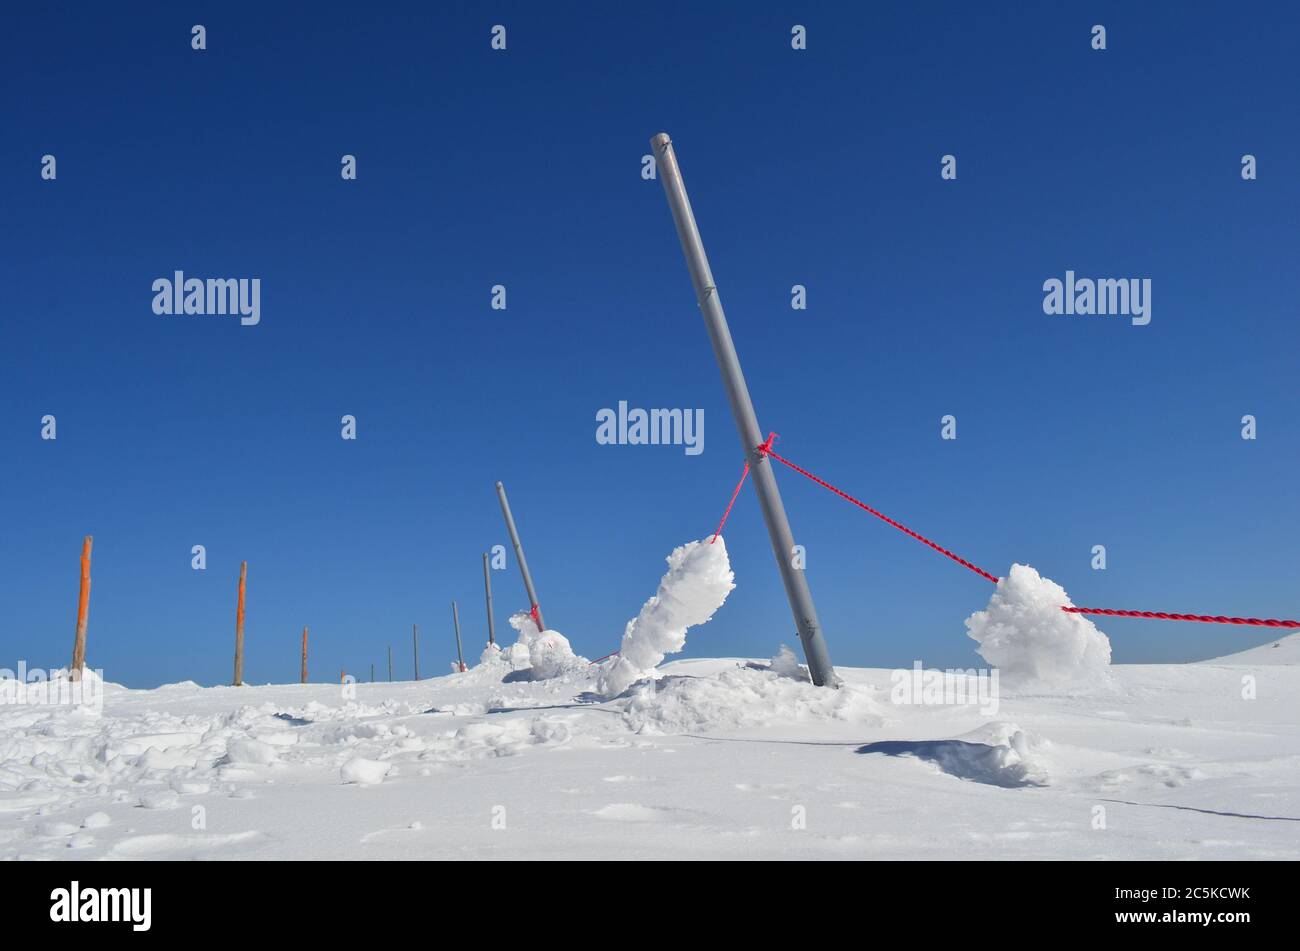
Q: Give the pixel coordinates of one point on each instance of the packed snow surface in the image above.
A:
(697, 582)
(713, 759)
(535, 752)
(1025, 634)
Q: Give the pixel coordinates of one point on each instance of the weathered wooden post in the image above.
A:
(304, 654)
(415, 646)
(239, 625)
(534, 608)
(83, 610)
(487, 592)
(742, 409)
(455, 619)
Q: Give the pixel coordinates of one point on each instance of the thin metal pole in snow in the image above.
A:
(487, 592)
(519, 556)
(455, 618)
(742, 408)
(415, 647)
(390, 663)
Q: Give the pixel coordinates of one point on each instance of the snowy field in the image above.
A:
(537, 753)
(720, 759)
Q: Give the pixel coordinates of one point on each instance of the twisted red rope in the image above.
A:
(766, 449)
(1205, 618)
(743, 473)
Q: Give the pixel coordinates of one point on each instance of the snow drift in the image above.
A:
(742, 698)
(1025, 634)
(697, 582)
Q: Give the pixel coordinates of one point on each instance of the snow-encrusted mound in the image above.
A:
(1025, 634)
(787, 665)
(744, 697)
(697, 582)
(549, 653)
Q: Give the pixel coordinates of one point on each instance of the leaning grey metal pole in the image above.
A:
(751, 437)
(487, 593)
(519, 556)
(415, 648)
(455, 618)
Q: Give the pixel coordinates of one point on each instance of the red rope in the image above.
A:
(766, 449)
(535, 615)
(744, 472)
(1206, 618)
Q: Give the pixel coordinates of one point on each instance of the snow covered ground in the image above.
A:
(718, 758)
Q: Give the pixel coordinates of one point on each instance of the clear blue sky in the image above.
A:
(523, 168)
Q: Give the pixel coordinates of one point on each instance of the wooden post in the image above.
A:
(415, 645)
(304, 655)
(83, 609)
(239, 625)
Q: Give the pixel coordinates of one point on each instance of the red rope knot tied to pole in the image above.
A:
(535, 615)
(762, 450)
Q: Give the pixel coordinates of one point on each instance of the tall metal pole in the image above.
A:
(390, 663)
(455, 618)
(742, 408)
(519, 557)
(487, 592)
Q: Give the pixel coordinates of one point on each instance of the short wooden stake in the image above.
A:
(83, 609)
(239, 625)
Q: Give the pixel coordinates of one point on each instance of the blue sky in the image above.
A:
(475, 167)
